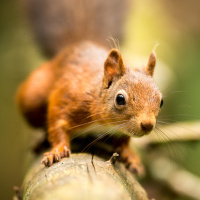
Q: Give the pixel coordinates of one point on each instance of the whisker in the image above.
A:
(100, 137)
(175, 151)
(94, 114)
(182, 115)
(91, 122)
(121, 126)
(178, 91)
(113, 41)
(192, 164)
(159, 133)
(177, 125)
(160, 137)
(129, 129)
(167, 89)
(89, 129)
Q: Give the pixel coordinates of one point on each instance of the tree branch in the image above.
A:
(81, 176)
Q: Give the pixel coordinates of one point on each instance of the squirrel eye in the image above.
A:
(161, 103)
(120, 99)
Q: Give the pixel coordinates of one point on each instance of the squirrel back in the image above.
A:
(59, 23)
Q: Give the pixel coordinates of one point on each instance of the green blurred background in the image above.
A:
(175, 25)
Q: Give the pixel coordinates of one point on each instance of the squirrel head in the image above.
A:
(130, 97)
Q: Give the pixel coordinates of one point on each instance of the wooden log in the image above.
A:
(81, 177)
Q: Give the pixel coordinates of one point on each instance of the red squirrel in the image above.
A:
(84, 83)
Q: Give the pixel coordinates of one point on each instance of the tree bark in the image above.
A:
(81, 177)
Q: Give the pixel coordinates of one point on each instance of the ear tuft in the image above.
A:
(113, 67)
(151, 64)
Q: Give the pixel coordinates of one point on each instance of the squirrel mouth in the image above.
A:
(136, 131)
(137, 134)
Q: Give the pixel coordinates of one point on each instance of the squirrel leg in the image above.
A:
(33, 94)
(58, 127)
(60, 141)
(129, 157)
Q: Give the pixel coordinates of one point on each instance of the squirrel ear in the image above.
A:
(149, 70)
(113, 67)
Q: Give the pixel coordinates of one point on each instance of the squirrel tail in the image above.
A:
(59, 23)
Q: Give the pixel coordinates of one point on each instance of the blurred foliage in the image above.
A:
(174, 24)
(18, 57)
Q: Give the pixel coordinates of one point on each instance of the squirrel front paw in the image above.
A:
(135, 167)
(55, 155)
(132, 161)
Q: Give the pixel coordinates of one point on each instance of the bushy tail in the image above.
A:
(57, 23)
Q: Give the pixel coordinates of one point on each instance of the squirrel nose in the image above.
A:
(147, 126)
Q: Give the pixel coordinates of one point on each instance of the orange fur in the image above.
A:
(84, 82)
(79, 86)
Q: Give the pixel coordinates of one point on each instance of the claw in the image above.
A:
(62, 154)
(44, 161)
(55, 155)
(132, 162)
(56, 158)
(66, 151)
(134, 170)
(47, 161)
